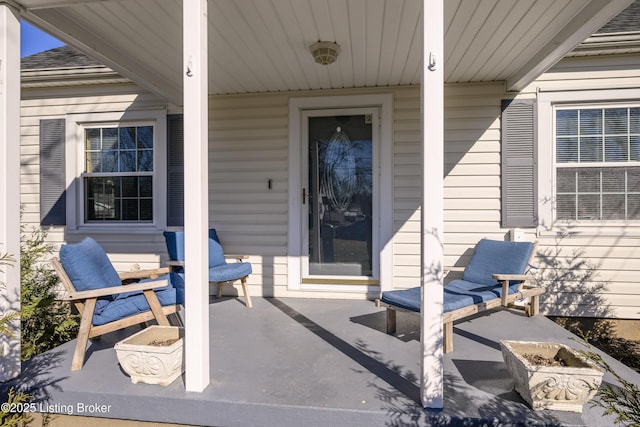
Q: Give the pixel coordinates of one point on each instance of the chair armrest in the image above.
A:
(141, 274)
(501, 277)
(175, 263)
(237, 257)
(113, 290)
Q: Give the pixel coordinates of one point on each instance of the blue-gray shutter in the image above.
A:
(519, 184)
(53, 204)
(175, 170)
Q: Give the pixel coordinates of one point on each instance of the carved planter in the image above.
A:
(563, 388)
(153, 355)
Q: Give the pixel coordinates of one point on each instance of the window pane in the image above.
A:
(616, 149)
(613, 207)
(633, 207)
(566, 122)
(590, 122)
(146, 210)
(633, 180)
(634, 120)
(129, 209)
(145, 161)
(109, 161)
(567, 150)
(129, 186)
(100, 200)
(634, 143)
(145, 184)
(566, 180)
(613, 180)
(588, 207)
(128, 138)
(591, 149)
(566, 207)
(127, 161)
(615, 120)
(145, 137)
(110, 139)
(589, 181)
(93, 141)
(93, 162)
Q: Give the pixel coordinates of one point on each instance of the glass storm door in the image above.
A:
(339, 195)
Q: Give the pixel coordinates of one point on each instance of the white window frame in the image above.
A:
(547, 104)
(76, 124)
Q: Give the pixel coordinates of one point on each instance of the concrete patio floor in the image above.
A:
(295, 362)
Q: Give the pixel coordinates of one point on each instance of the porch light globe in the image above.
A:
(325, 53)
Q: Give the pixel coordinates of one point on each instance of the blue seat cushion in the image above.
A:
(495, 256)
(88, 266)
(230, 271)
(133, 304)
(457, 294)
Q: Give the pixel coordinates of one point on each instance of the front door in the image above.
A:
(339, 195)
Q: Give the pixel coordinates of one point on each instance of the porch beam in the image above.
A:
(10, 184)
(432, 109)
(196, 194)
(593, 16)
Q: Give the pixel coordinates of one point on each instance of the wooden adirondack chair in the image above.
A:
(104, 303)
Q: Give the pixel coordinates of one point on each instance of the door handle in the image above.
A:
(304, 196)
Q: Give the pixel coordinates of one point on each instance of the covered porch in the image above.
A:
(314, 362)
(227, 47)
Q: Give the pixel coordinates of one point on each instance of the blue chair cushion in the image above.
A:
(409, 299)
(457, 294)
(494, 256)
(175, 247)
(88, 266)
(230, 271)
(133, 304)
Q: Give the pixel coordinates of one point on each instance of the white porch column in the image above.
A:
(10, 184)
(196, 194)
(432, 100)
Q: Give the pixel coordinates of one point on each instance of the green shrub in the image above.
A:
(46, 322)
(7, 417)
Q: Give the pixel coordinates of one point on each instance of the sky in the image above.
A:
(33, 40)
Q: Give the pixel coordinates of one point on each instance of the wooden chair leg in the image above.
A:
(245, 289)
(533, 309)
(220, 289)
(83, 334)
(391, 320)
(448, 337)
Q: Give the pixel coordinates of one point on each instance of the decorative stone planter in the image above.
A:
(562, 388)
(153, 355)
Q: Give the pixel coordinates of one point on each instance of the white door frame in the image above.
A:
(297, 106)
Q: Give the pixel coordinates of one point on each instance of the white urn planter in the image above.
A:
(153, 355)
(566, 387)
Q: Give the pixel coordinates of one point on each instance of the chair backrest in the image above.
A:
(87, 266)
(495, 256)
(175, 247)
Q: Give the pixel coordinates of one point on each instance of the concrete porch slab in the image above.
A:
(292, 362)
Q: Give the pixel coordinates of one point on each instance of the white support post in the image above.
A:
(10, 185)
(432, 100)
(196, 195)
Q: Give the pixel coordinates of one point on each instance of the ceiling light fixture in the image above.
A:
(325, 53)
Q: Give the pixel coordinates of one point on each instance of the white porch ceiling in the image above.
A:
(262, 45)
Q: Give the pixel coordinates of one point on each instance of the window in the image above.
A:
(597, 163)
(118, 174)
